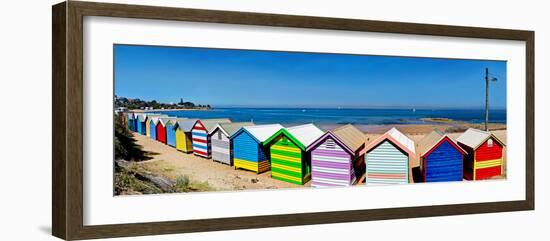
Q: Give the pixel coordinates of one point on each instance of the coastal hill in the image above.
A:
(138, 104)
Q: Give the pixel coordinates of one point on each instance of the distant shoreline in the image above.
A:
(159, 110)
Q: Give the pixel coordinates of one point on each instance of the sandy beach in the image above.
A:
(171, 163)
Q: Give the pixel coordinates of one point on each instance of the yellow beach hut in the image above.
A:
(184, 140)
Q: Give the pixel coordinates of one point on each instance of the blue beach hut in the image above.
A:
(248, 150)
(140, 123)
(130, 120)
(441, 159)
(171, 130)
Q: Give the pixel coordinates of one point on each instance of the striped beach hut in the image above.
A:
(290, 162)
(387, 158)
(201, 140)
(441, 159)
(337, 157)
(221, 144)
(130, 119)
(249, 152)
(140, 123)
(148, 119)
(170, 125)
(484, 154)
(184, 140)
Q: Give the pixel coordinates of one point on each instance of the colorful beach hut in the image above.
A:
(484, 154)
(249, 152)
(184, 139)
(221, 144)
(337, 157)
(148, 119)
(201, 140)
(153, 126)
(387, 159)
(161, 129)
(290, 162)
(140, 123)
(441, 159)
(130, 119)
(170, 125)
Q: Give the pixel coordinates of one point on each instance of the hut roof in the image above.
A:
(306, 134)
(230, 128)
(429, 141)
(303, 135)
(396, 137)
(474, 138)
(156, 119)
(166, 120)
(141, 117)
(209, 124)
(350, 136)
(260, 132)
(185, 124)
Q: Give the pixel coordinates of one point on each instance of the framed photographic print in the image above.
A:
(171, 120)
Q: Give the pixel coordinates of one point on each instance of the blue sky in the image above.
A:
(224, 78)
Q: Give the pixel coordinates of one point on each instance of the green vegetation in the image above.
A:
(127, 183)
(134, 104)
(183, 184)
(125, 144)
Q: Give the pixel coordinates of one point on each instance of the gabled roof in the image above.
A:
(347, 136)
(185, 124)
(130, 115)
(426, 144)
(141, 117)
(302, 135)
(229, 129)
(166, 120)
(351, 136)
(397, 138)
(209, 124)
(259, 132)
(156, 119)
(474, 138)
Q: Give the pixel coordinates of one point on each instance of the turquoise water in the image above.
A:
(321, 116)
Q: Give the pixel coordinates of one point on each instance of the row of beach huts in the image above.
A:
(338, 157)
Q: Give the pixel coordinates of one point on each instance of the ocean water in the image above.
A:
(325, 116)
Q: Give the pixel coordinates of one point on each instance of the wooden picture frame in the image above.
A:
(67, 122)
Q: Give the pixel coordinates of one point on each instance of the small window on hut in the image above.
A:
(219, 135)
(490, 143)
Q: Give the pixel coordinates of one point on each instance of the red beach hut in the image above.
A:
(161, 131)
(484, 154)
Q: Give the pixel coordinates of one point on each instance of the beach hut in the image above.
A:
(201, 140)
(148, 119)
(170, 125)
(290, 162)
(484, 154)
(249, 152)
(221, 144)
(184, 140)
(161, 129)
(140, 123)
(153, 126)
(337, 157)
(387, 159)
(441, 159)
(130, 118)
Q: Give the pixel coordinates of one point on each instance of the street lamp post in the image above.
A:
(487, 97)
